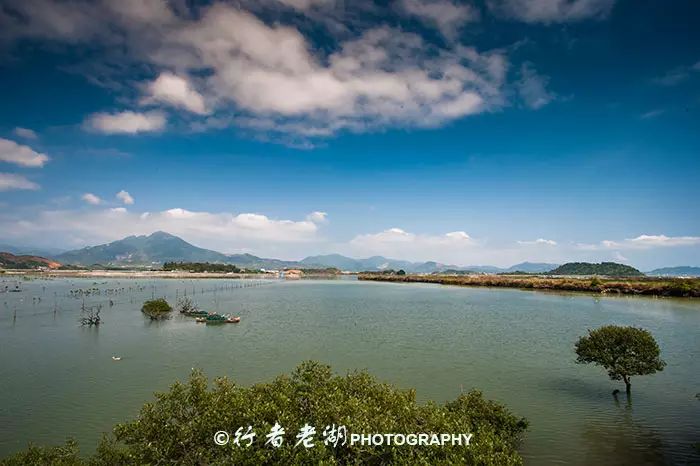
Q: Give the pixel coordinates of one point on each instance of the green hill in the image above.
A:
(611, 269)
(158, 247)
(11, 261)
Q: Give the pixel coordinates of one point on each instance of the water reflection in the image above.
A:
(623, 441)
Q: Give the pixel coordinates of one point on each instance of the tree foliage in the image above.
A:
(611, 269)
(179, 426)
(202, 267)
(623, 351)
(156, 309)
(62, 455)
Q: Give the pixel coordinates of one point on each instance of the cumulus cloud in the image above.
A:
(396, 242)
(19, 154)
(10, 181)
(384, 77)
(539, 241)
(91, 199)
(125, 197)
(25, 133)
(126, 122)
(269, 76)
(222, 231)
(532, 87)
(317, 217)
(654, 241)
(551, 11)
(176, 91)
(643, 242)
(446, 15)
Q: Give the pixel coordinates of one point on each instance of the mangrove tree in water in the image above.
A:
(622, 351)
(184, 425)
(157, 309)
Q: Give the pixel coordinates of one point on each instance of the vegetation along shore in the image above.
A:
(677, 287)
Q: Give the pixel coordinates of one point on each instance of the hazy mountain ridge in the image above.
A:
(679, 271)
(159, 247)
(31, 251)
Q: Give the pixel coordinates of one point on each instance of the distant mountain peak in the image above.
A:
(158, 247)
(162, 234)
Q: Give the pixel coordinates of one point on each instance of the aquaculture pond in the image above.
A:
(58, 379)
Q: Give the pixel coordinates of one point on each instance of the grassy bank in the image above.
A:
(678, 287)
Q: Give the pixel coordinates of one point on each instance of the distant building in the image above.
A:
(291, 274)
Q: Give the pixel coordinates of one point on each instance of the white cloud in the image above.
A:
(317, 217)
(125, 197)
(384, 77)
(676, 75)
(25, 133)
(269, 77)
(673, 77)
(652, 114)
(176, 91)
(643, 242)
(91, 199)
(126, 122)
(399, 243)
(539, 241)
(532, 87)
(18, 154)
(653, 241)
(446, 15)
(9, 181)
(551, 11)
(221, 231)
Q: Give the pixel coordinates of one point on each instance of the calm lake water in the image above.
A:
(57, 379)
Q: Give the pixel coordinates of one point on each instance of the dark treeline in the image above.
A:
(203, 267)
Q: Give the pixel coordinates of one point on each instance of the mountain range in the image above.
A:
(682, 271)
(155, 249)
(160, 247)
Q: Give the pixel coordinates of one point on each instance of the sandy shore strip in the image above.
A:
(177, 274)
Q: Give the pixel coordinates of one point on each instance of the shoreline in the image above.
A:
(165, 274)
(175, 274)
(642, 286)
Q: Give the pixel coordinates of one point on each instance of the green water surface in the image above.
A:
(57, 379)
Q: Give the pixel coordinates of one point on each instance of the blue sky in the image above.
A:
(463, 132)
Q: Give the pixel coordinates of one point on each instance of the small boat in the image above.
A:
(221, 319)
(216, 319)
(200, 320)
(116, 358)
